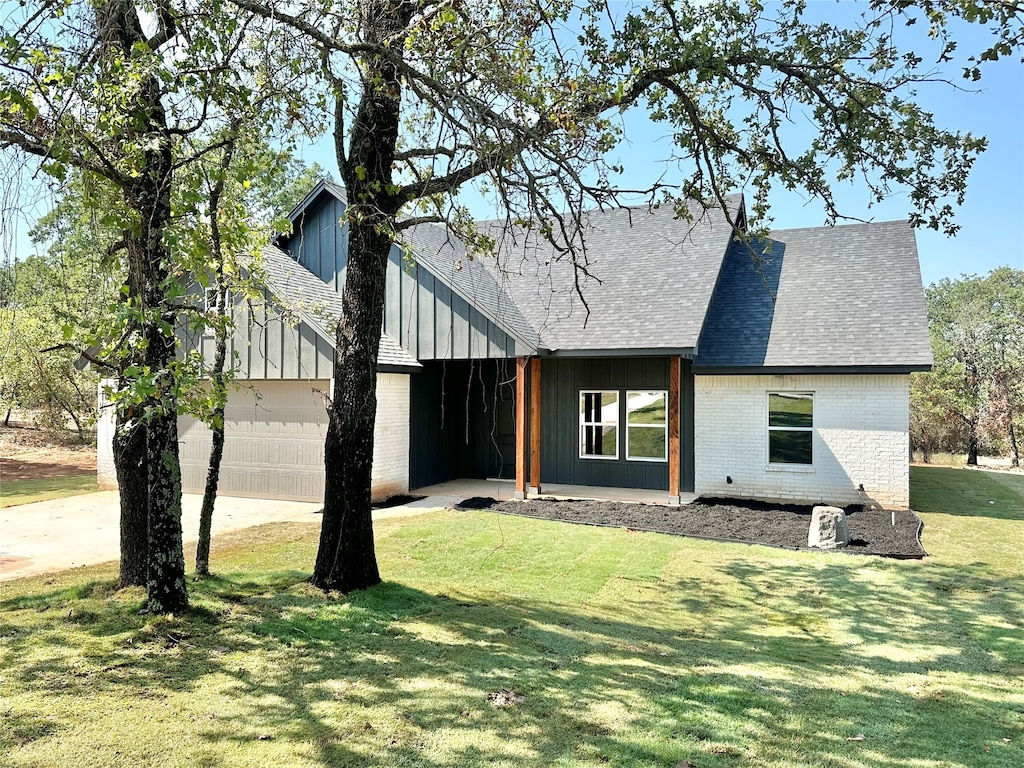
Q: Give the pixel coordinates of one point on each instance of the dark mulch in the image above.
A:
(396, 501)
(749, 522)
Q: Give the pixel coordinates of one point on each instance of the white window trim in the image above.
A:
(584, 424)
(783, 465)
(664, 426)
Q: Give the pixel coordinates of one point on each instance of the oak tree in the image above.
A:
(113, 89)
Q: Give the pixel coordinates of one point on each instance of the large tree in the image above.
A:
(524, 99)
(112, 89)
(95, 102)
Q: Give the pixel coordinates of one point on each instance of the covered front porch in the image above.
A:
(595, 427)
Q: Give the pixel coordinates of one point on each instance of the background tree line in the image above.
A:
(972, 402)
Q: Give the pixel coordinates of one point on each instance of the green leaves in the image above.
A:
(977, 329)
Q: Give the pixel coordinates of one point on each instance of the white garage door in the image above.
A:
(274, 446)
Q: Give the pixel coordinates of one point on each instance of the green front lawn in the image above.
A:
(627, 649)
(26, 491)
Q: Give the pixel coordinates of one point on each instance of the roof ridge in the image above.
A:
(849, 225)
(637, 207)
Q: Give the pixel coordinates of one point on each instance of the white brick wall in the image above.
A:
(860, 437)
(274, 447)
(106, 477)
(391, 436)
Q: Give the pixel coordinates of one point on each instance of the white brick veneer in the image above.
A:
(106, 477)
(860, 437)
(274, 446)
(391, 436)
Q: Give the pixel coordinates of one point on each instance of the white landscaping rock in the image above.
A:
(829, 529)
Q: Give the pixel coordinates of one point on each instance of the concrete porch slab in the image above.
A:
(503, 490)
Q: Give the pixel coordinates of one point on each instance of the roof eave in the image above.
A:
(687, 352)
(389, 368)
(781, 370)
(318, 188)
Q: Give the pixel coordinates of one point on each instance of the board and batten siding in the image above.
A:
(859, 437)
(421, 311)
(264, 345)
(274, 443)
(561, 382)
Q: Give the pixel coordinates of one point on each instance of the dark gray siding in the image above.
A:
(687, 475)
(265, 346)
(319, 242)
(461, 421)
(421, 312)
(432, 322)
(561, 382)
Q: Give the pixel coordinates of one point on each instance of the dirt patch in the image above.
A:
(32, 454)
(872, 532)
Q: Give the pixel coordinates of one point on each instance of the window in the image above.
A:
(647, 426)
(790, 427)
(599, 424)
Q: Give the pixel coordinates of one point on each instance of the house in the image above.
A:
(698, 369)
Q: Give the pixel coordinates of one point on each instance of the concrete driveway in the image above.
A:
(83, 530)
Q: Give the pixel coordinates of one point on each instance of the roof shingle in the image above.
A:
(847, 296)
(648, 279)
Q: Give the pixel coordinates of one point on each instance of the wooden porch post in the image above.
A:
(520, 428)
(674, 376)
(535, 425)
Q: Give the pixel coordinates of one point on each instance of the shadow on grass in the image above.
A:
(967, 493)
(751, 665)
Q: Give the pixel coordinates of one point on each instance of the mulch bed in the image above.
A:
(748, 522)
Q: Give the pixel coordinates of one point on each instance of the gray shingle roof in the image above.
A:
(650, 279)
(319, 305)
(847, 296)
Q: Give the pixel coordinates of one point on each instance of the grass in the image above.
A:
(16, 492)
(629, 649)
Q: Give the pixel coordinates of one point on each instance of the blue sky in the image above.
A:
(992, 217)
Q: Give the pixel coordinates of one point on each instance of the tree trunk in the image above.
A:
(346, 559)
(972, 445)
(1014, 448)
(219, 392)
(130, 466)
(210, 496)
(218, 381)
(148, 195)
(7, 418)
(165, 583)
